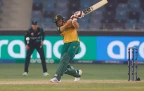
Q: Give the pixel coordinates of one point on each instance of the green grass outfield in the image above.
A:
(96, 77)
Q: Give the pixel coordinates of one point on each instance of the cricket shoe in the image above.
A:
(54, 80)
(25, 74)
(45, 74)
(78, 78)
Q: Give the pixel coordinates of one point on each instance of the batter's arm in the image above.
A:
(66, 25)
(75, 24)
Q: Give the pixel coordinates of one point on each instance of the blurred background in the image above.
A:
(117, 15)
(105, 36)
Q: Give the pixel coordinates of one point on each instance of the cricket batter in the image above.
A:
(68, 30)
(34, 40)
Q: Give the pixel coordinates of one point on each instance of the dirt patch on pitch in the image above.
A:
(13, 82)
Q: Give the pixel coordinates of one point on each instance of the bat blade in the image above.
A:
(94, 7)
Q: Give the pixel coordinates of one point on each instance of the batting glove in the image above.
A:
(73, 18)
(79, 14)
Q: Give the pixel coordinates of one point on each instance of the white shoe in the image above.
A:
(80, 72)
(78, 78)
(25, 74)
(54, 80)
(45, 74)
(59, 81)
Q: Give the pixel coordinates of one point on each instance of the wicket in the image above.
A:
(133, 64)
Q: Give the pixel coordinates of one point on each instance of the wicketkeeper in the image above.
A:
(34, 39)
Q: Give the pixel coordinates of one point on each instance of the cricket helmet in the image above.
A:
(59, 17)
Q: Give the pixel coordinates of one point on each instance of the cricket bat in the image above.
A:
(94, 7)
